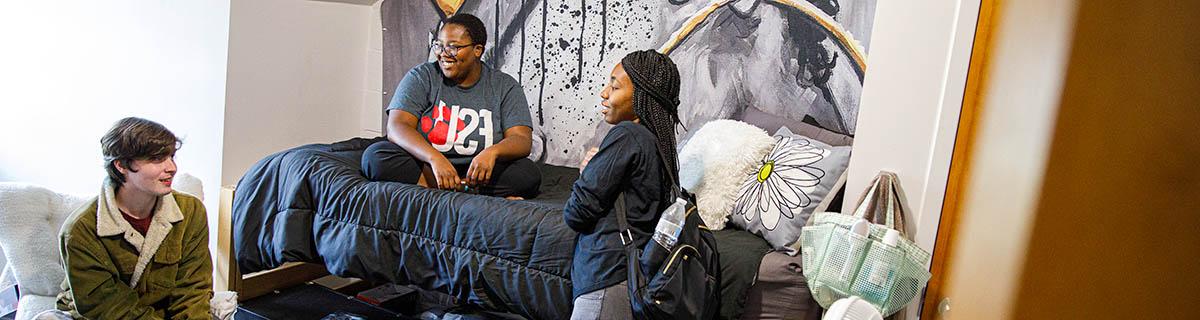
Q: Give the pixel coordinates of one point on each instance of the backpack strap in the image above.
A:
(622, 221)
(622, 212)
(675, 189)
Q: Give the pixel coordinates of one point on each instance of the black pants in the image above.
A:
(386, 161)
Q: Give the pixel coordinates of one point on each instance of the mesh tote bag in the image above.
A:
(866, 254)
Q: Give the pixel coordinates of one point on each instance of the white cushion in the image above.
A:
(714, 163)
(188, 184)
(6, 276)
(796, 177)
(31, 305)
(30, 217)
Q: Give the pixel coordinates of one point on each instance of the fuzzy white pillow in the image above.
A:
(189, 184)
(30, 217)
(714, 162)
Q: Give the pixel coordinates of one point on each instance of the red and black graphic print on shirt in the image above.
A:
(458, 129)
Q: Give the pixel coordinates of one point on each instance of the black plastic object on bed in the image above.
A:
(312, 204)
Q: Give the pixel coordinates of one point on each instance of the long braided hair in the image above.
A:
(656, 99)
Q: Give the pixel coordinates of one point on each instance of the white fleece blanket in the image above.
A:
(714, 162)
(30, 217)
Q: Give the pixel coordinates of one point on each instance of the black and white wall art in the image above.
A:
(803, 60)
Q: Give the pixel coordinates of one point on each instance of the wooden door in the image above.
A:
(1081, 198)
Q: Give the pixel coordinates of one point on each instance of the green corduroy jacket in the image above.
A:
(108, 277)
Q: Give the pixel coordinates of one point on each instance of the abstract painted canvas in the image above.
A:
(801, 60)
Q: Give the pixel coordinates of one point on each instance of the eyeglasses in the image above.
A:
(439, 47)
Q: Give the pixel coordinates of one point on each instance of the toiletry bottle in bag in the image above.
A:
(666, 233)
(883, 271)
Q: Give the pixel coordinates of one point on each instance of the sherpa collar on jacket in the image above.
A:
(109, 222)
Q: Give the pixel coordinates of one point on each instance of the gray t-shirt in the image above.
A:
(480, 113)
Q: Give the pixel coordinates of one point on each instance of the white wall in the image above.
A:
(72, 68)
(371, 119)
(298, 74)
(912, 96)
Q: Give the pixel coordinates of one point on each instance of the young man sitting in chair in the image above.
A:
(139, 250)
(457, 123)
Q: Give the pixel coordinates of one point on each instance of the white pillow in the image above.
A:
(714, 163)
(30, 217)
(795, 178)
(6, 274)
(189, 184)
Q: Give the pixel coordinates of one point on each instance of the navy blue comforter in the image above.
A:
(312, 204)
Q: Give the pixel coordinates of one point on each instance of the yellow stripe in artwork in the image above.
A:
(690, 25)
(449, 7)
(843, 36)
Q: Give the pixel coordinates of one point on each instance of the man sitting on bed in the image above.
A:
(458, 124)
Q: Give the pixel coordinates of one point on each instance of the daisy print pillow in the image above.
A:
(776, 199)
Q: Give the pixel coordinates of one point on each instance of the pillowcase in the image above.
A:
(774, 123)
(713, 163)
(789, 184)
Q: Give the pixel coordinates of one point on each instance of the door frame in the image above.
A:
(956, 182)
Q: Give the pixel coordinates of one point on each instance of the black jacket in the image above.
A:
(627, 161)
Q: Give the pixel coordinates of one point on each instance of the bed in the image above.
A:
(312, 204)
(309, 204)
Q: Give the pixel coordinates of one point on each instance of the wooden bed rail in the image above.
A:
(226, 275)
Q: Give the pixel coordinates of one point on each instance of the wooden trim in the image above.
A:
(225, 275)
(288, 275)
(956, 184)
(226, 261)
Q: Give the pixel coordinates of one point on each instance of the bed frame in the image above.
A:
(226, 275)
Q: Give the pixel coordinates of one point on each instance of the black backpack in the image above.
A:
(683, 283)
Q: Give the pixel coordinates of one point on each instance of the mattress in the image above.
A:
(312, 204)
(780, 291)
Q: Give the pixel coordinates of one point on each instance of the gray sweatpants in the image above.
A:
(604, 304)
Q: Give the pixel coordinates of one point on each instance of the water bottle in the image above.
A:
(666, 233)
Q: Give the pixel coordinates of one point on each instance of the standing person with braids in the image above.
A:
(641, 99)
